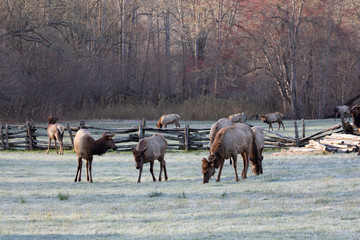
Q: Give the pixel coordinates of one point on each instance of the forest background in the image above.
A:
(203, 59)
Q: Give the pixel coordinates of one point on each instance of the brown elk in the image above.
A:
(168, 119)
(216, 127)
(229, 142)
(55, 131)
(85, 147)
(238, 117)
(149, 149)
(341, 111)
(256, 156)
(272, 118)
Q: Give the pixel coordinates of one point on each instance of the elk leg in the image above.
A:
(87, 169)
(246, 164)
(152, 170)
(78, 171)
(235, 167)
(161, 168)
(47, 152)
(230, 161)
(282, 125)
(220, 169)
(270, 126)
(140, 172)
(61, 147)
(90, 170)
(164, 166)
(56, 146)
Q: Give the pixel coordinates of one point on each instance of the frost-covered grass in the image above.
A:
(297, 197)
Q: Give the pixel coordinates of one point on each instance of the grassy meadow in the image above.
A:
(297, 197)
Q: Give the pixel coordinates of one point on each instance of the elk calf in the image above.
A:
(85, 147)
(147, 150)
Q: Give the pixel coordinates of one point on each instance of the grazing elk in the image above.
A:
(238, 117)
(256, 156)
(55, 131)
(147, 150)
(168, 119)
(355, 112)
(229, 142)
(85, 147)
(272, 118)
(341, 111)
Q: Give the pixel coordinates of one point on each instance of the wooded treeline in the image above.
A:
(69, 56)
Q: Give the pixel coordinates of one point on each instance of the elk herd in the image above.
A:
(228, 138)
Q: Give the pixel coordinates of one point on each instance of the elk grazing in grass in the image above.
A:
(147, 151)
(168, 119)
(256, 156)
(272, 118)
(229, 142)
(85, 147)
(55, 131)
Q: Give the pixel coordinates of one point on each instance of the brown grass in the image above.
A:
(193, 109)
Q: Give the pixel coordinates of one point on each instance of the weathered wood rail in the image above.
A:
(31, 137)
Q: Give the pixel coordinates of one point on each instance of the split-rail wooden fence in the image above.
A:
(34, 137)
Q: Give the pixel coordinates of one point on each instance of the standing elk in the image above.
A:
(168, 119)
(341, 111)
(272, 118)
(149, 149)
(55, 131)
(85, 147)
(229, 142)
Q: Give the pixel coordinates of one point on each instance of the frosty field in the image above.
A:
(297, 197)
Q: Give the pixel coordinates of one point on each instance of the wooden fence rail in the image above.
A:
(34, 137)
(31, 137)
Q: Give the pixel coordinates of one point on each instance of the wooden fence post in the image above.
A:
(186, 136)
(343, 124)
(7, 137)
(303, 127)
(296, 135)
(70, 134)
(143, 123)
(81, 124)
(29, 135)
(2, 136)
(141, 132)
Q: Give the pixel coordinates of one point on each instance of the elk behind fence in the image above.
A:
(34, 137)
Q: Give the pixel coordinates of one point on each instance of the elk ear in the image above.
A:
(144, 150)
(133, 149)
(204, 163)
(104, 134)
(208, 148)
(110, 136)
